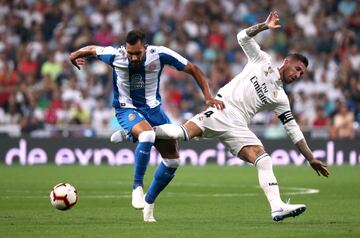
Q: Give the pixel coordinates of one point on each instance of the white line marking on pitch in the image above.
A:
(295, 191)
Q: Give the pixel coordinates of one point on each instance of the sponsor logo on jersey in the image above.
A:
(136, 82)
(260, 90)
(131, 116)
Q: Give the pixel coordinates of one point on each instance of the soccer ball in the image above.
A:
(63, 196)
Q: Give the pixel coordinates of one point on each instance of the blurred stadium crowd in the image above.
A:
(42, 94)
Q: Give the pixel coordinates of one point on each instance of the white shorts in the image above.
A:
(234, 135)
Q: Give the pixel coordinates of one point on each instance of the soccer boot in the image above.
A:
(137, 198)
(287, 210)
(148, 212)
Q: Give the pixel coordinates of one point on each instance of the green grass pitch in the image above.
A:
(209, 201)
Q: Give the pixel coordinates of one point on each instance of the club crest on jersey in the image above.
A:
(275, 93)
(122, 52)
(131, 116)
(136, 82)
(268, 71)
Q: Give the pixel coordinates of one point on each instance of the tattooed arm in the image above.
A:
(249, 45)
(255, 29)
(317, 165)
(272, 22)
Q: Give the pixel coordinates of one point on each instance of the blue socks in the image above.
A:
(164, 173)
(142, 157)
(163, 176)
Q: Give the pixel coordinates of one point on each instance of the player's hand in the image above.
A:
(212, 102)
(76, 62)
(273, 21)
(319, 167)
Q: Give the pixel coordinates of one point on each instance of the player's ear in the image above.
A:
(145, 46)
(286, 61)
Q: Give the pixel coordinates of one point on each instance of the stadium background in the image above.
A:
(43, 95)
(53, 114)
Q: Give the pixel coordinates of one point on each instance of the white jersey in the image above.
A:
(139, 87)
(258, 87)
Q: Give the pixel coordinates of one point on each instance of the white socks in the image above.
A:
(171, 131)
(171, 163)
(268, 181)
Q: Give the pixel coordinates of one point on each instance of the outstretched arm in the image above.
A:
(170, 57)
(317, 165)
(200, 78)
(76, 57)
(293, 130)
(247, 42)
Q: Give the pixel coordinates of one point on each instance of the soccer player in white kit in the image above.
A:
(258, 87)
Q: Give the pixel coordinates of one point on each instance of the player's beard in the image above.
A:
(136, 64)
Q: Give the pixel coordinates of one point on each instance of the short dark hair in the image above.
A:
(300, 57)
(134, 36)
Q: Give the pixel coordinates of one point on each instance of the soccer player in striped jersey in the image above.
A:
(258, 87)
(136, 70)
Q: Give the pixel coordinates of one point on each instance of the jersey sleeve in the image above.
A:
(106, 54)
(170, 57)
(250, 47)
(283, 112)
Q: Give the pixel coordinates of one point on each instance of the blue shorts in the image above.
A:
(129, 117)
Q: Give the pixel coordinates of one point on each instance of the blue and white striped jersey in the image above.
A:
(139, 87)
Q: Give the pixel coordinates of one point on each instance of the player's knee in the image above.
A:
(147, 136)
(257, 150)
(251, 152)
(171, 163)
